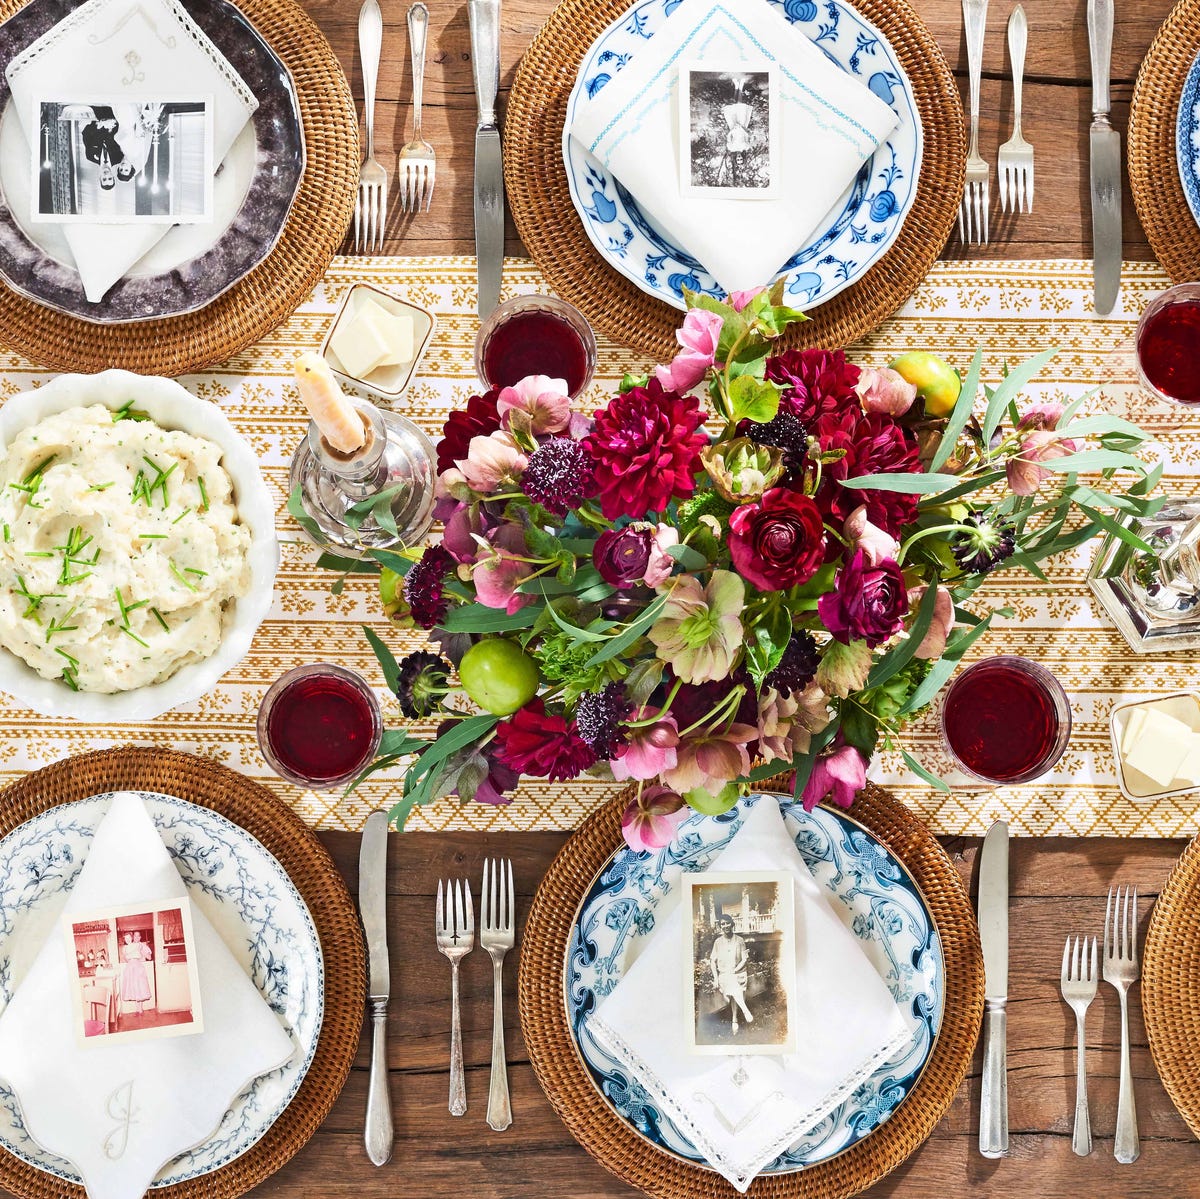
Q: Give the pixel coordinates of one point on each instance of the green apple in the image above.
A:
(498, 675)
(936, 381)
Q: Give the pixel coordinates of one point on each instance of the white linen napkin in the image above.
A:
(741, 1112)
(831, 124)
(140, 49)
(75, 1099)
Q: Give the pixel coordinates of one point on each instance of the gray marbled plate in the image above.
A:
(254, 230)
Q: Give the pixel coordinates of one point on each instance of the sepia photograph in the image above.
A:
(740, 941)
(134, 973)
(128, 161)
(729, 131)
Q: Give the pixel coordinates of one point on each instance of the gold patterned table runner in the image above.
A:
(1010, 310)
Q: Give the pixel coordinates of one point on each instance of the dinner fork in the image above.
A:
(417, 166)
(370, 205)
(1121, 971)
(455, 927)
(1080, 977)
(1014, 166)
(496, 936)
(973, 211)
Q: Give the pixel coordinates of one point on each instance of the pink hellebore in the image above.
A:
(838, 774)
(491, 461)
(497, 575)
(649, 751)
(1045, 415)
(933, 644)
(707, 761)
(876, 544)
(537, 404)
(883, 390)
(737, 300)
(659, 568)
(650, 820)
(1025, 472)
(699, 334)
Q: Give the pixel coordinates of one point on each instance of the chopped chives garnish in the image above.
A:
(153, 536)
(130, 633)
(176, 572)
(203, 493)
(59, 624)
(159, 617)
(181, 516)
(73, 661)
(128, 412)
(38, 554)
(7, 533)
(101, 486)
(193, 571)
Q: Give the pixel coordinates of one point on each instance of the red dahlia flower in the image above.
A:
(478, 420)
(544, 746)
(815, 383)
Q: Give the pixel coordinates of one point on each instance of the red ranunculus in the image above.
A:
(777, 542)
(815, 383)
(865, 604)
(478, 420)
(544, 746)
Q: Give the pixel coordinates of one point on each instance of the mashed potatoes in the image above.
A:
(120, 549)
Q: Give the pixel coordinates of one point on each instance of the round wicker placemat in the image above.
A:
(271, 292)
(310, 868)
(617, 1147)
(1153, 173)
(536, 182)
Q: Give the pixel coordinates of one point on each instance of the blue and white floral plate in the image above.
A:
(870, 890)
(1187, 139)
(248, 898)
(860, 228)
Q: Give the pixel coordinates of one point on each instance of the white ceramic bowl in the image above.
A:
(169, 405)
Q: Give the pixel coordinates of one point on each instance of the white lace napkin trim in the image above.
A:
(741, 1174)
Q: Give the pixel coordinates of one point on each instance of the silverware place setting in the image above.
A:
(496, 935)
(1014, 162)
(370, 205)
(1080, 978)
(455, 928)
(417, 166)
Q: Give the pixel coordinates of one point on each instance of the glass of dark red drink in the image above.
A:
(1005, 720)
(536, 335)
(319, 725)
(1168, 345)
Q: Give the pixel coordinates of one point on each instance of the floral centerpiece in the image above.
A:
(750, 562)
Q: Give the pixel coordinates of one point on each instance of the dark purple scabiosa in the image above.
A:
(988, 543)
(423, 587)
(560, 475)
(599, 716)
(785, 431)
(798, 666)
(422, 681)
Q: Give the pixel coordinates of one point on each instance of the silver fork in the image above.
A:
(973, 211)
(455, 927)
(1121, 972)
(1080, 977)
(496, 907)
(370, 206)
(1014, 166)
(417, 167)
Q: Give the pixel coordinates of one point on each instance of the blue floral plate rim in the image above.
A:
(1187, 126)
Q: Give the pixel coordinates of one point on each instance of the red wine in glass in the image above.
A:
(1168, 349)
(319, 725)
(536, 335)
(1006, 720)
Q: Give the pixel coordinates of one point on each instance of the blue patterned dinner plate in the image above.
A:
(870, 890)
(249, 900)
(1187, 139)
(859, 229)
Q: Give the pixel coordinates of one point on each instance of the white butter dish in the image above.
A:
(1183, 706)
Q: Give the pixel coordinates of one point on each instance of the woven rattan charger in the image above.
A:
(1153, 173)
(310, 868)
(619, 1148)
(271, 292)
(536, 182)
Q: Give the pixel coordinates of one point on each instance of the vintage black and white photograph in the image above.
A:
(128, 161)
(133, 973)
(729, 131)
(740, 938)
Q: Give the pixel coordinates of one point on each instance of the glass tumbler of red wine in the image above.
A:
(536, 335)
(319, 725)
(1005, 720)
(1167, 345)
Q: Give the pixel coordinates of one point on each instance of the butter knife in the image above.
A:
(372, 904)
(993, 934)
(1106, 163)
(484, 17)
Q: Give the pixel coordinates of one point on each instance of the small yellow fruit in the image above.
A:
(936, 381)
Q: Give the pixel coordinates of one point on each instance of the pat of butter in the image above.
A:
(370, 337)
(1133, 729)
(1189, 768)
(1160, 748)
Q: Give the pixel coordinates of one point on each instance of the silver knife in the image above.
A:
(489, 169)
(993, 933)
(1106, 164)
(372, 904)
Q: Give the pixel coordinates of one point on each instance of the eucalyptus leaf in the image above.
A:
(385, 657)
(919, 770)
(943, 668)
(578, 635)
(296, 510)
(1009, 388)
(914, 484)
(1094, 460)
(1116, 528)
(619, 644)
(392, 560)
(399, 742)
(687, 557)
(349, 566)
(383, 762)
(478, 618)
(901, 654)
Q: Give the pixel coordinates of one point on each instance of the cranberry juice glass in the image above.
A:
(1005, 720)
(1168, 345)
(319, 725)
(535, 335)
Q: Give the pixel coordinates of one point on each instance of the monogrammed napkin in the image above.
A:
(120, 1111)
(741, 1112)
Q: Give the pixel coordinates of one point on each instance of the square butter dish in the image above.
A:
(1184, 706)
(386, 382)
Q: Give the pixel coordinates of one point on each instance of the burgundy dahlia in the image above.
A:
(798, 666)
(815, 383)
(777, 542)
(560, 475)
(423, 587)
(866, 604)
(646, 444)
(541, 745)
(600, 716)
(478, 420)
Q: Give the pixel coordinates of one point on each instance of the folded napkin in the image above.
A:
(830, 125)
(741, 1112)
(117, 1111)
(137, 49)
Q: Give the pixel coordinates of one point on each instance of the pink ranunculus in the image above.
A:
(881, 389)
(698, 337)
(650, 820)
(497, 575)
(1025, 471)
(1044, 416)
(492, 461)
(659, 568)
(875, 543)
(837, 774)
(537, 405)
(933, 644)
(737, 300)
(649, 751)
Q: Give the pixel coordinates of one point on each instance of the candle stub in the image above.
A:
(338, 419)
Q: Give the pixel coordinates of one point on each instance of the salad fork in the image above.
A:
(973, 211)
(455, 927)
(496, 936)
(370, 205)
(1080, 978)
(1014, 166)
(417, 165)
(1121, 972)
